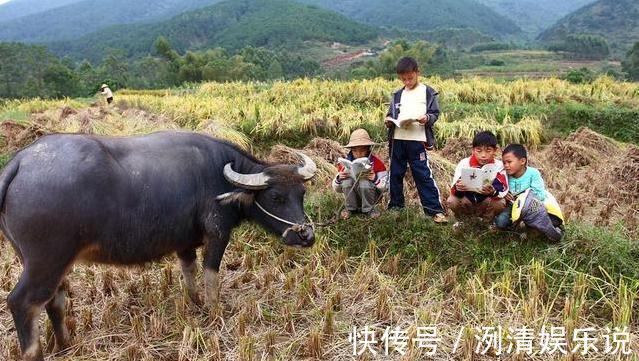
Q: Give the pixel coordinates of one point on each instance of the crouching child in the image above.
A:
(534, 206)
(487, 201)
(362, 194)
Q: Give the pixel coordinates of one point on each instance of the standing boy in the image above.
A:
(409, 143)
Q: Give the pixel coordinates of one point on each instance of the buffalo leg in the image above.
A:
(56, 311)
(26, 300)
(214, 251)
(188, 265)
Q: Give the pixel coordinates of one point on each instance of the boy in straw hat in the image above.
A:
(108, 94)
(364, 192)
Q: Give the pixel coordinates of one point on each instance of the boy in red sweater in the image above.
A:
(488, 201)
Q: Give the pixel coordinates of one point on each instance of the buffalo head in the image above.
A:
(276, 198)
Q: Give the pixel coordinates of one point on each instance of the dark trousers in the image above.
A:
(502, 221)
(413, 153)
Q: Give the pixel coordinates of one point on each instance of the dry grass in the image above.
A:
(291, 305)
(594, 178)
(282, 304)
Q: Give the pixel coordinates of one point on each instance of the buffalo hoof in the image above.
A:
(195, 299)
(62, 348)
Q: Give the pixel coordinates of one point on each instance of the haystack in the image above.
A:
(287, 155)
(18, 135)
(328, 149)
(625, 173)
(66, 111)
(562, 153)
(456, 149)
(594, 141)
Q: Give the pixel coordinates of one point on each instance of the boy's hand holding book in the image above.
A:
(461, 187)
(401, 121)
(388, 122)
(344, 175)
(488, 190)
(370, 175)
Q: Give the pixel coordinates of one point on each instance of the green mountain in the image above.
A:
(615, 20)
(18, 8)
(231, 24)
(84, 17)
(423, 15)
(533, 16)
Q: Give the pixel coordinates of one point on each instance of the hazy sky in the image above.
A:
(3, 1)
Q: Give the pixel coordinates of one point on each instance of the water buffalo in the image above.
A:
(129, 200)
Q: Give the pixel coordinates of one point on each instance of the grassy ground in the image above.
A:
(401, 270)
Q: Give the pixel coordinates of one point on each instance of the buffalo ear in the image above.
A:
(239, 196)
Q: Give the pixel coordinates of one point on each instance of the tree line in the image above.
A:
(28, 71)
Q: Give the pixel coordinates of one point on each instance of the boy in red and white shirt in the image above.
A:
(489, 202)
(361, 195)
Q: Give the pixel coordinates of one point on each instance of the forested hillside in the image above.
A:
(230, 24)
(423, 15)
(615, 20)
(534, 16)
(84, 17)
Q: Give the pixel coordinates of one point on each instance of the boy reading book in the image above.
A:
(479, 184)
(410, 119)
(522, 178)
(361, 177)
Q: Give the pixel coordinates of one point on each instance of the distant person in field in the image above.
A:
(416, 104)
(363, 193)
(108, 94)
(488, 201)
(538, 208)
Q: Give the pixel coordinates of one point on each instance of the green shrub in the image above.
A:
(578, 76)
(616, 122)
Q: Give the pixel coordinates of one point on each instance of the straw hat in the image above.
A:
(359, 137)
(104, 86)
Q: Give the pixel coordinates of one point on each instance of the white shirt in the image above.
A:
(107, 93)
(412, 106)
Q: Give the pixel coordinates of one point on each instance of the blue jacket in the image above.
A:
(432, 111)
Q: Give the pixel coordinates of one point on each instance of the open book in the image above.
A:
(355, 167)
(406, 117)
(475, 178)
(400, 122)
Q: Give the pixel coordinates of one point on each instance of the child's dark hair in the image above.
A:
(517, 150)
(406, 65)
(485, 139)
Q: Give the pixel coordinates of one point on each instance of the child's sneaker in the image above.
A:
(345, 214)
(373, 214)
(440, 218)
(458, 226)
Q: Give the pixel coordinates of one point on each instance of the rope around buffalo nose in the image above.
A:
(295, 227)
